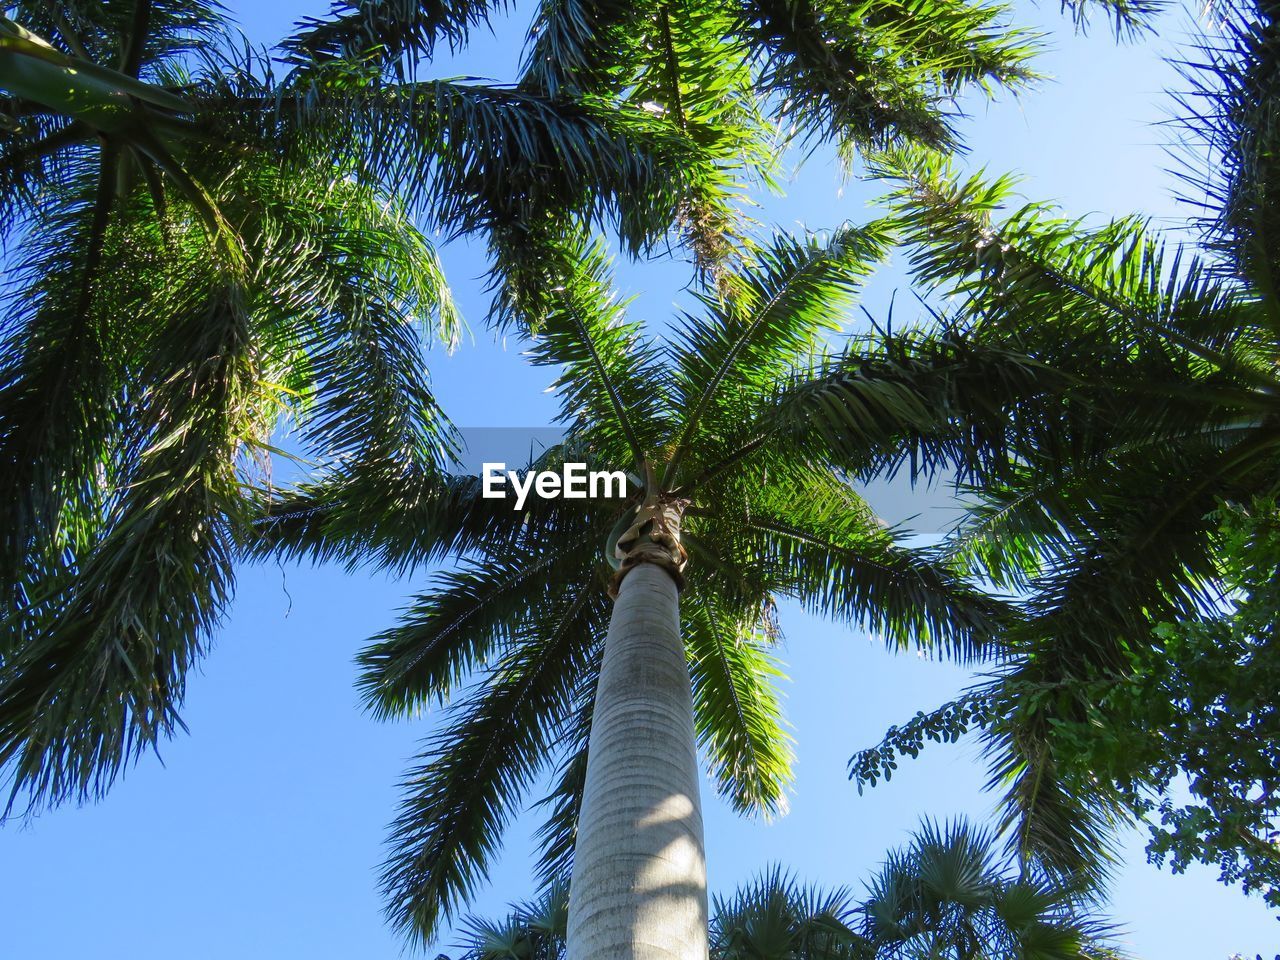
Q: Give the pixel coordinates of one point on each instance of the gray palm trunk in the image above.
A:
(639, 889)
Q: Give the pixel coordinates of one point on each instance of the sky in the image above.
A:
(259, 833)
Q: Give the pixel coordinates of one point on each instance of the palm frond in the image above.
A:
(140, 40)
(533, 930)
(1045, 283)
(384, 31)
(583, 46)
(38, 161)
(477, 157)
(774, 915)
(609, 374)
(874, 74)
(692, 66)
(936, 401)
(61, 372)
(942, 894)
(479, 767)
(469, 617)
(778, 304)
(1129, 19)
(1230, 109)
(1054, 819)
(357, 518)
(818, 542)
(354, 288)
(737, 711)
(150, 350)
(98, 671)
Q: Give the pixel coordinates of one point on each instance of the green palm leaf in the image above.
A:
(471, 617)
(480, 766)
(1156, 410)
(779, 304)
(739, 716)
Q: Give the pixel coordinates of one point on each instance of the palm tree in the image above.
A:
(534, 930)
(206, 246)
(738, 81)
(176, 283)
(941, 896)
(739, 442)
(775, 916)
(1155, 404)
(945, 895)
(139, 143)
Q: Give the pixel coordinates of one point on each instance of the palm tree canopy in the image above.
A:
(1157, 404)
(871, 73)
(942, 895)
(746, 430)
(204, 245)
(202, 249)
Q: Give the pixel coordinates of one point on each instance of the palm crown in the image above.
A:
(182, 279)
(746, 436)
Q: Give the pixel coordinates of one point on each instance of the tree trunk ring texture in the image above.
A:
(639, 889)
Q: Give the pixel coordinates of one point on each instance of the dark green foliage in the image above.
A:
(386, 30)
(809, 50)
(943, 895)
(186, 192)
(1194, 709)
(866, 74)
(481, 764)
(209, 250)
(148, 157)
(1198, 710)
(166, 306)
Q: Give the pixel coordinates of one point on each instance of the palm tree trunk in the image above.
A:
(639, 888)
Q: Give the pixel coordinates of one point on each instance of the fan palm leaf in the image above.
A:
(942, 895)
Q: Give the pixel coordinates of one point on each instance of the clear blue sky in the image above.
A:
(260, 834)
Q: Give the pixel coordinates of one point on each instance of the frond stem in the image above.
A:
(704, 401)
(615, 399)
(136, 42)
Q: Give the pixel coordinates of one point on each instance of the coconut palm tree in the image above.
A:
(943, 895)
(1156, 405)
(641, 628)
